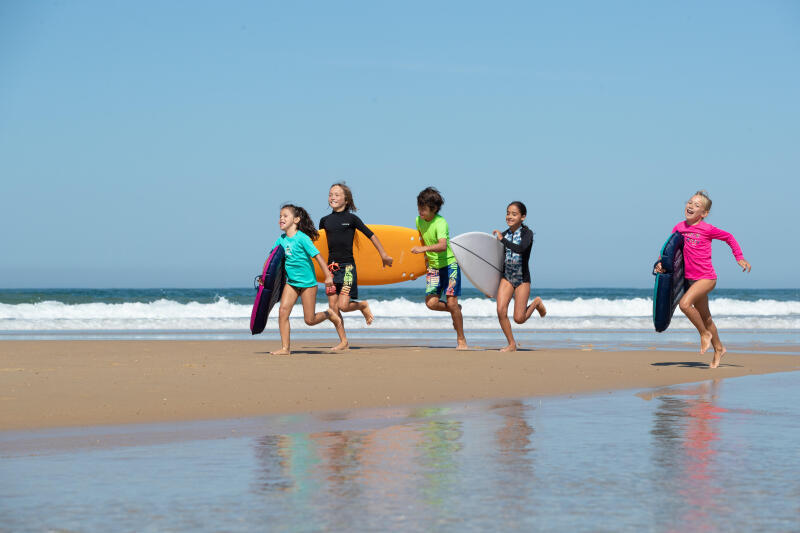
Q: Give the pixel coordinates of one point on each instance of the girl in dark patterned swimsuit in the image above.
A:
(516, 281)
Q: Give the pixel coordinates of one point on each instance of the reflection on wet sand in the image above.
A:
(514, 483)
(718, 456)
(410, 471)
(685, 430)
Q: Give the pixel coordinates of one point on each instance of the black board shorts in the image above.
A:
(345, 279)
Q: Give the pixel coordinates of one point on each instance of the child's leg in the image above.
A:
(504, 293)
(433, 290)
(349, 290)
(333, 303)
(346, 305)
(434, 287)
(458, 321)
(705, 313)
(521, 312)
(521, 294)
(434, 303)
(288, 299)
(309, 298)
(536, 305)
(698, 292)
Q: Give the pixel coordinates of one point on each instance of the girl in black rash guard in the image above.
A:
(516, 281)
(340, 228)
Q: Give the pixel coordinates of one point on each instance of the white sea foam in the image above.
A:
(393, 314)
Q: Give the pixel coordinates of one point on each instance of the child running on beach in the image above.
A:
(443, 274)
(516, 280)
(299, 232)
(699, 272)
(340, 230)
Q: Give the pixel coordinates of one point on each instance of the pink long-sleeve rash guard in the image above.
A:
(697, 248)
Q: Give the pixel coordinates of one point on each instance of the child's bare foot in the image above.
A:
(538, 304)
(705, 341)
(717, 357)
(462, 344)
(282, 351)
(367, 312)
(509, 348)
(341, 347)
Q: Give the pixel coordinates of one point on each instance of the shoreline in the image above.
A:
(50, 384)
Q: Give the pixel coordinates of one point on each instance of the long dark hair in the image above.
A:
(306, 225)
(349, 204)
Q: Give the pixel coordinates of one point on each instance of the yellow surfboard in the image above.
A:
(396, 240)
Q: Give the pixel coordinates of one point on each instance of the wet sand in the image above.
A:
(45, 384)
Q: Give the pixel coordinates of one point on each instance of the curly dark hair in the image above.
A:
(431, 198)
(306, 225)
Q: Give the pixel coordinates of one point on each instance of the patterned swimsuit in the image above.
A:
(513, 265)
(518, 252)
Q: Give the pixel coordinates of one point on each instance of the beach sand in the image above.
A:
(45, 384)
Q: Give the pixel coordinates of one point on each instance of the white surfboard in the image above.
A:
(481, 257)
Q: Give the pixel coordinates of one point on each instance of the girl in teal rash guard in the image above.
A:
(299, 231)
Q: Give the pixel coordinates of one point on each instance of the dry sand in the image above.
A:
(75, 383)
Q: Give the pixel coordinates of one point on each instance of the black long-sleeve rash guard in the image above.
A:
(523, 248)
(340, 229)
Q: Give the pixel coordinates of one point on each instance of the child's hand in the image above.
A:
(498, 235)
(744, 264)
(418, 250)
(387, 260)
(659, 268)
(328, 280)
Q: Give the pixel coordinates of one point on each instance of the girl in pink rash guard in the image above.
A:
(699, 272)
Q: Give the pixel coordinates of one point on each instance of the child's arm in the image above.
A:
(418, 250)
(368, 233)
(658, 269)
(527, 241)
(261, 281)
(385, 258)
(723, 235)
(440, 246)
(322, 266)
(744, 264)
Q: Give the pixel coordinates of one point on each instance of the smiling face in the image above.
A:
(426, 212)
(696, 209)
(287, 221)
(514, 217)
(336, 198)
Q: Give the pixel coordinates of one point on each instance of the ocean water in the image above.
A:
(712, 456)
(575, 316)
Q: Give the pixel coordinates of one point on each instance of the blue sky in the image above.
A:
(150, 144)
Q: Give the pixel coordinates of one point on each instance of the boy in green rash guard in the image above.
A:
(443, 274)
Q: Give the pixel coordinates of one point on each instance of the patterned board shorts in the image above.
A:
(345, 280)
(435, 281)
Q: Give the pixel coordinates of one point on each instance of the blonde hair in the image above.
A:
(706, 199)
